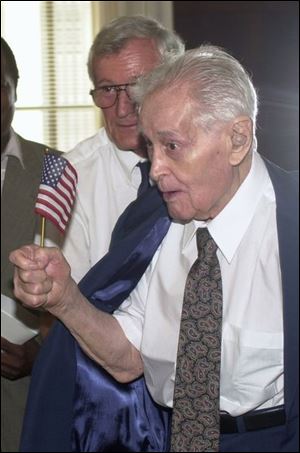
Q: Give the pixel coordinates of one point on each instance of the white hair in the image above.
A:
(216, 82)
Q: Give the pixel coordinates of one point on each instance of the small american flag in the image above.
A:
(57, 190)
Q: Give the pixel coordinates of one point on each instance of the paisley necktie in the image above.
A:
(196, 419)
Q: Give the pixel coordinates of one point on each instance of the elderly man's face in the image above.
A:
(138, 57)
(192, 168)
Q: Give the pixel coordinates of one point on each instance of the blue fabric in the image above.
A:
(145, 184)
(115, 417)
(109, 416)
(280, 438)
(52, 422)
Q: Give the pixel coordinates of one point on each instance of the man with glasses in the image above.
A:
(106, 163)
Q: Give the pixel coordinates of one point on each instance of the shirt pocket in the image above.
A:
(252, 364)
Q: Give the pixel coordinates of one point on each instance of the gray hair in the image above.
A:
(114, 36)
(217, 83)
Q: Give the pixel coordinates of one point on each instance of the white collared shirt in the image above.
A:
(108, 180)
(13, 148)
(252, 335)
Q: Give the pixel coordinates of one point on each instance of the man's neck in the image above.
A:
(141, 153)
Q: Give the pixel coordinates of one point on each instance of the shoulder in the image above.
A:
(29, 147)
(284, 182)
(34, 147)
(33, 154)
(93, 148)
(286, 188)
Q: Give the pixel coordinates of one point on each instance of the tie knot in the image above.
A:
(205, 243)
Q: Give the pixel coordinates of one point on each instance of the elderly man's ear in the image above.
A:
(241, 136)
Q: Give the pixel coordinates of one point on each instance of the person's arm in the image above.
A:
(42, 279)
(17, 360)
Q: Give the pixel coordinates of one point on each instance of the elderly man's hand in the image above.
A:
(42, 278)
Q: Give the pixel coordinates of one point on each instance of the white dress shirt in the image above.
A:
(13, 148)
(108, 180)
(252, 334)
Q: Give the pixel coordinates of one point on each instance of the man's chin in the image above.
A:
(178, 216)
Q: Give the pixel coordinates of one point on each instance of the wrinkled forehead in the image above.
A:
(136, 58)
(166, 109)
(172, 97)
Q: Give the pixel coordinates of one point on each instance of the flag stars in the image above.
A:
(57, 190)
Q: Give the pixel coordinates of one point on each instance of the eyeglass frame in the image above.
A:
(118, 87)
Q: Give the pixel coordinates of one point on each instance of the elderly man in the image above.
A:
(223, 326)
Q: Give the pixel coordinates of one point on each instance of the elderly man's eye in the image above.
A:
(172, 146)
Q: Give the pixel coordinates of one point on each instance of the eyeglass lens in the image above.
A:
(107, 96)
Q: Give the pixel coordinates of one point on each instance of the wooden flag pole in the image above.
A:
(43, 227)
(43, 223)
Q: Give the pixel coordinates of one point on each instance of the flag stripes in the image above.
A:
(57, 191)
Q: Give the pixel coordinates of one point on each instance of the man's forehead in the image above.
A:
(142, 48)
(166, 113)
(168, 97)
(138, 57)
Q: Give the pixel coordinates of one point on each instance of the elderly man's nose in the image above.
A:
(158, 167)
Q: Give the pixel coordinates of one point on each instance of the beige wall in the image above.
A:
(106, 11)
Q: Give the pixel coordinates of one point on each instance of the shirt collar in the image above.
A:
(13, 148)
(229, 226)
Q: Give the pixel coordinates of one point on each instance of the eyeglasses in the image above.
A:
(106, 96)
